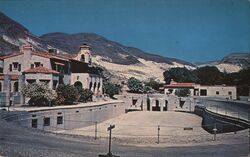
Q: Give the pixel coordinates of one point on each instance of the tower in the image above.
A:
(84, 54)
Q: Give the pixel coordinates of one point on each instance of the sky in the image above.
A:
(192, 30)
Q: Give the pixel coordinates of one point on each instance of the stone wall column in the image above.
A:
(152, 103)
(144, 104)
(162, 103)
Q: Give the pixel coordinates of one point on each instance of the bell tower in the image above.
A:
(84, 54)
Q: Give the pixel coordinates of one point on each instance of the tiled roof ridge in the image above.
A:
(41, 69)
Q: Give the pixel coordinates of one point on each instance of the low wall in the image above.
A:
(158, 102)
(51, 119)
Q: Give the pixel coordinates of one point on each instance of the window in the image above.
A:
(30, 81)
(0, 86)
(55, 84)
(31, 66)
(203, 92)
(10, 67)
(217, 92)
(15, 65)
(90, 85)
(59, 120)
(19, 67)
(46, 121)
(229, 93)
(16, 87)
(45, 81)
(37, 64)
(82, 58)
(34, 123)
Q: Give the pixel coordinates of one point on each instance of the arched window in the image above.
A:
(16, 87)
(78, 85)
(98, 86)
(82, 58)
(90, 85)
(94, 86)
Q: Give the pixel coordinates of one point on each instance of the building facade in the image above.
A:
(28, 66)
(218, 91)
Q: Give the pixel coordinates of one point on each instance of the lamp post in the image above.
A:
(215, 130)
(110, 132)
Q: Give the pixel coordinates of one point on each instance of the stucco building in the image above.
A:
(219, 91)
(29, 66)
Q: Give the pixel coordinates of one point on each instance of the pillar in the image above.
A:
(152, 101)
(162, 103)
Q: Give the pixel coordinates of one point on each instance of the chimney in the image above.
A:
(27, 50)
(26, 47)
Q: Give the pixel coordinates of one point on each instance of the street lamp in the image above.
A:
(109, 153)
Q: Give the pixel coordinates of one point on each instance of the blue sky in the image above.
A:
(193, 30)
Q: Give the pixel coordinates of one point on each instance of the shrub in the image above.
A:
(135, 85)
(111, 89)
(85, 95)
(39, 93)
(67, 93)
(182, 92)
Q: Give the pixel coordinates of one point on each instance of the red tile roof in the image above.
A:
(41, 69)
(12, 77)
(180, 85)
(12, 55)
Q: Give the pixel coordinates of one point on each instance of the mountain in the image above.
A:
(13, 34)
(233, 62)
(113, 51)
(240, 59)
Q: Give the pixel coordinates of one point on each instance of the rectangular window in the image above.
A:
(30, 81)
(217, 92)
(31, 66)
(55, 84)
(34, 123)
(59, 120)
(45, 81)
(37, 64)
(46, 121)
(10, 67)
(15, 65)
(19, 67)
(229, 93)
(203, 92)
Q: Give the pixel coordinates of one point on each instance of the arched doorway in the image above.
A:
(90, 85)
(82, 58)
(94, 86)
(78, 85)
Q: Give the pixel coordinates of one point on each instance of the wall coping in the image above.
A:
(81, 105)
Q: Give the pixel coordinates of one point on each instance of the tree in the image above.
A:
(183, 92)
(111, 89)
(180, 75)
(154, 84)
(39, 93)
(67, 93)
(135, 86)
(209, 75)
(85, 95)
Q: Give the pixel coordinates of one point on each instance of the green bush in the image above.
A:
(111, 89)
(182, 92)
(85, 95)
(135, 85)
(67, 93)
(39, 93)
